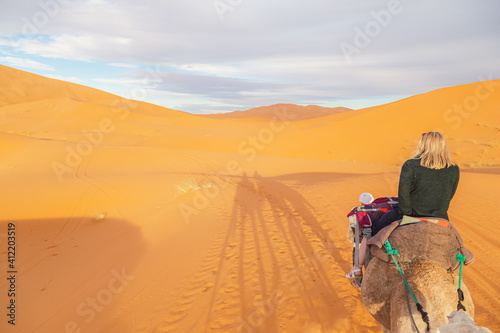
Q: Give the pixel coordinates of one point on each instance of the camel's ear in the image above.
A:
(451, 316)
(461, 317)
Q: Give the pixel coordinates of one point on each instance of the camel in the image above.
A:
(428, 250)
(382, 292)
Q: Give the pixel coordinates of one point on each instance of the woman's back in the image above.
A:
(429, 180)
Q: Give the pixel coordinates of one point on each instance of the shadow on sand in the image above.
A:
(279, 269)
(71, 271)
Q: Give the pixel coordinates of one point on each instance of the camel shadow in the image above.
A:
(280, 244)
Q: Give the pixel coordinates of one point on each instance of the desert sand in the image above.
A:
(293, 112)
(131, 217)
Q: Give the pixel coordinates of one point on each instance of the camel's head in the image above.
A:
(460, 317)
(461, 321)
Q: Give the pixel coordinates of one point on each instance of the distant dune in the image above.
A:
(293, 112)
(134, 218)
(20, 87)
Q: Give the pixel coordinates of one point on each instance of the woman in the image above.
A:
(427, 183)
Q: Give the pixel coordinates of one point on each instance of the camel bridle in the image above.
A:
(393, 253)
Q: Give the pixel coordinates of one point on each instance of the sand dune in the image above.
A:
(135, 218)
(388, 133)
(294, 112)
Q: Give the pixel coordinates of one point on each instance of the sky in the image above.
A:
(208, 56)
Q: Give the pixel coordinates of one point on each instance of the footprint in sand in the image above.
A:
(207, 286)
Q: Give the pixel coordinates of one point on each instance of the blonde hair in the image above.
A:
(433, 152)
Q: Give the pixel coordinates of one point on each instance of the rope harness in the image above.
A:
(393, 253)
(461, 259)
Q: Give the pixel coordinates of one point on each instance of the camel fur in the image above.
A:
(433, 280)
(382, 292)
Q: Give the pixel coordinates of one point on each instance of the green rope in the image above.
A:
(461, 259)
(392, 252)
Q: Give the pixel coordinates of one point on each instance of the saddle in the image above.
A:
(422, 238)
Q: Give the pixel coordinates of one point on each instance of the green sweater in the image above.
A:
(425, 192)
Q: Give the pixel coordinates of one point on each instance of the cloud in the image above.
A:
(123, 82)
(81, 47)
(73, 79)
(203, 85)
(224, 93)
(26, 63)
(279, 51)
(211, 69)
(122, 65)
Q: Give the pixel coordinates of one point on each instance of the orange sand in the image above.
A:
(134, 218)
(293, 112)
